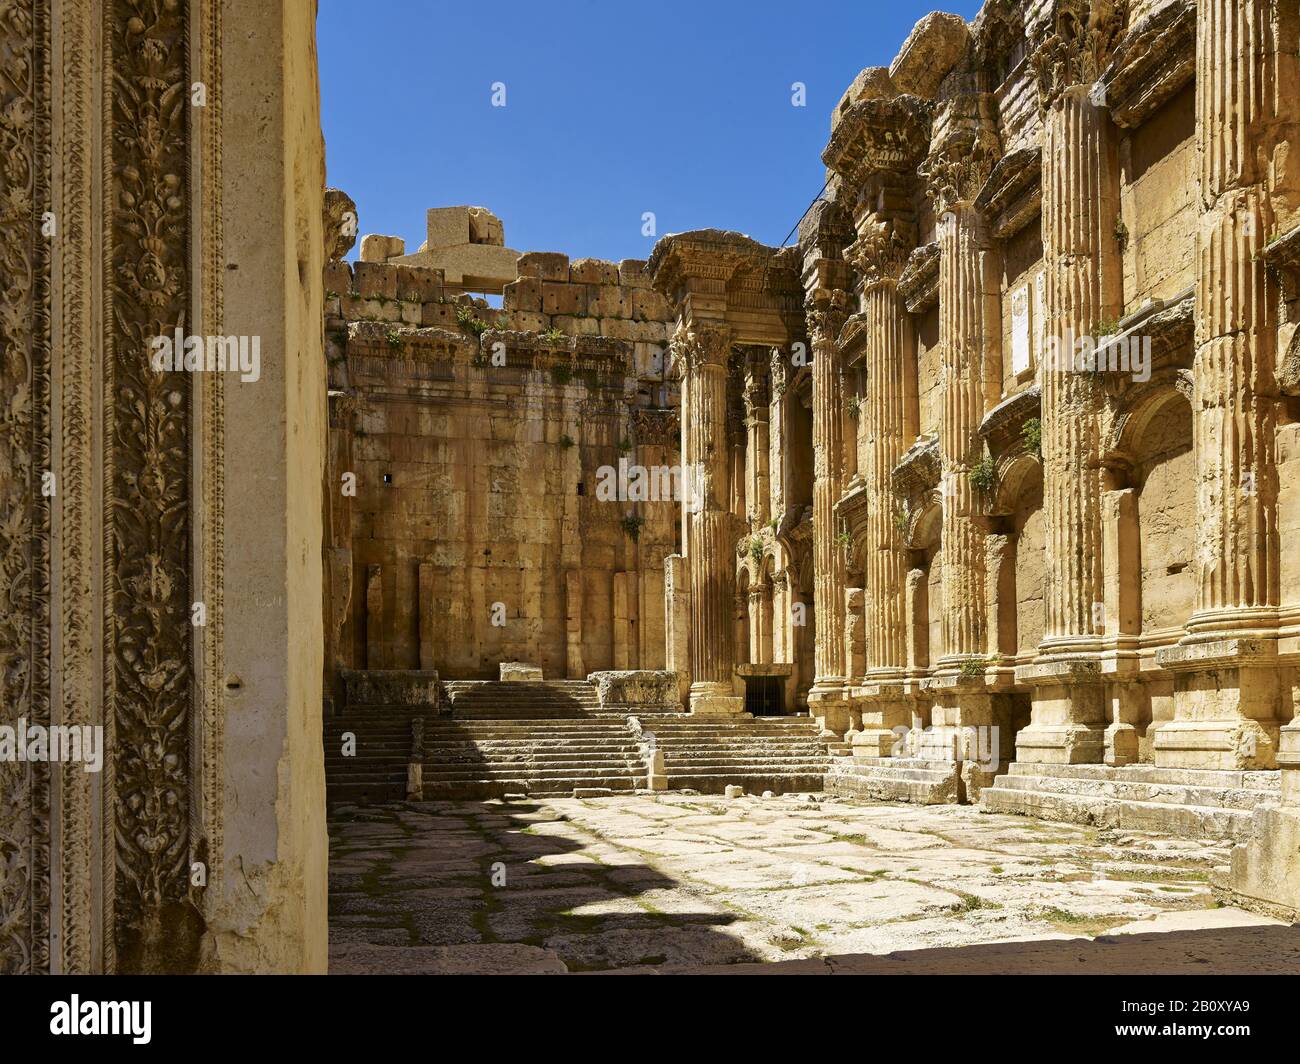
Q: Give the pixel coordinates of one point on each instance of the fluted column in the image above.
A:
(964, 330)
(711, 559)
(1083, 290)
(1243, 114)
(824, 322)
(889, 419)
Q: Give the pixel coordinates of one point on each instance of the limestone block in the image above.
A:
(375, 280)
(734, 791)
(870, 84)
(390, 687)
(1265, 875)
(338, 278)
(548, 265)
(631, 274)
(566, 298)
(593, 271)
(635, 687)
(418, 284)
(573, 326)
(609, 301)
(526, 321)
(377, 248)
(434, 313)
(485, 227)
(523, 294)
(356, 309)
(935, 44)
(647, 304)
(520, 672)
(412, 313)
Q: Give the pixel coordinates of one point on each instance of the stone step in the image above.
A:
(1136, 791)
(896, 780)
(752, 782)
(1253, 780)
(1188, 821)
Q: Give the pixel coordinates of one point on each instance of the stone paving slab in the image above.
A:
(677, 883)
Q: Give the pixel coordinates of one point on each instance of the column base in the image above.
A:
(1226, 699)
(715, 700)
(1067, 724)
(829, 706)
(885, 718)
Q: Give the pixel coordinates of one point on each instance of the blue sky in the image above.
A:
(680, 107)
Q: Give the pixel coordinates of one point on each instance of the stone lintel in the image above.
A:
(919, 468)
(1003, 423)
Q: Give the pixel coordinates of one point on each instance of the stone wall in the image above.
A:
(488, 523)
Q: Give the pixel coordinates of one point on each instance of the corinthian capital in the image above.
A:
(701, 343)
(1074, 43)
(956, 170)
(826, 318)
(881, 249)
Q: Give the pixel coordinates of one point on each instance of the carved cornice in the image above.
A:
(879, 135)
(1012, 196)
(919, 469)
(1152, 62)
(1074, 43)
(340, 224)
(1282, 256)
(1001, 425)
(918, 284)
(657, 426)
(704, 259)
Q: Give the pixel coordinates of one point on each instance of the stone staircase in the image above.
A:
(377, 770)
(518, 700)
(1192, 803)
(778, 754)
(896, 779)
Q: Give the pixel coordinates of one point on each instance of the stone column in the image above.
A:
(757, 412)
(1082, 274)
(889, 413)
(969, 339)
(677, 619)
(1227, 684)
(826, 699)
(704, 348)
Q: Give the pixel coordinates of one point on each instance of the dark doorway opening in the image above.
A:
(763, 696)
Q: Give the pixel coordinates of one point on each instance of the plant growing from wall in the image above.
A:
(1031, 434)
(632, 526)
(854, 407)
(624, 446)
(553, 336)
(566, 441)
(972, 668)
(467, 319)
(756, 549)
(901, 519)
(983, 475)
(394, 339)
(1121, 233)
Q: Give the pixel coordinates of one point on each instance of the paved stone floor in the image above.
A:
(679, 882)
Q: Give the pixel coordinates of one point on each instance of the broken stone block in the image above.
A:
(523, 294)
(377, 248)
(548, 265)
(338, 278)
(563, 299)
(375, 280)
(418, 284)
(631, 274)
(593, 271)
(520, 671)
(734, 790)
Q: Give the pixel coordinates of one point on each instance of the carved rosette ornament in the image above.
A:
(149, 675)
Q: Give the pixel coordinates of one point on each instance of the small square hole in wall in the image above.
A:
(582, 488)
(388, 478)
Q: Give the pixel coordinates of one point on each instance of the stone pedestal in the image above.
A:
(1069, 713)
(1227, 695)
